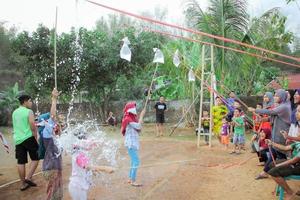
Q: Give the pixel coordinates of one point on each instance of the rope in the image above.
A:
(194, 31)
(224, 47)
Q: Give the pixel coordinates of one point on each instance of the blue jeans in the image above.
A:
(135, 162)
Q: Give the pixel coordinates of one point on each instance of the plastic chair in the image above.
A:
(280, 190)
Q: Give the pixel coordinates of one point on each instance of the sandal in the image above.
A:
(25, 187)
(298, 193)
(136, 185)
(260, 177)
(233, 152)
(30, 183)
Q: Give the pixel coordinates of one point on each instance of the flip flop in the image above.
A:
(298, 193)
(233, 152)
(136, 185)
(30, 183)
(25, 187)
(260, 177)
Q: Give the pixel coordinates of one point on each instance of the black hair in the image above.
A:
(260, 104)
(24, 98)
(238, 109)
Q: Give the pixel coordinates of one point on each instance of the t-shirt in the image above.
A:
(48, 130)
(239, 129)
(160, 107)
(224, 129)
(21, 127)
(205, 123)
(296, 149)
(262, 144)
(80, 177)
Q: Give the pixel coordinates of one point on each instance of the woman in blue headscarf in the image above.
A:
(268, 100)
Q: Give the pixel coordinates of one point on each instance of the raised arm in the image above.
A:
(272, 112)
(55, 94)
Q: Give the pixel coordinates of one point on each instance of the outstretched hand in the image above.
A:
(284, 134)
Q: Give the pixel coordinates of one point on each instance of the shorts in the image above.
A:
(238, 139)
(160, 118)
(31, 146)
(225, 139)
(284, 171)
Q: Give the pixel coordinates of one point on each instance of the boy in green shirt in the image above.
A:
(25, 138)
(239, 131)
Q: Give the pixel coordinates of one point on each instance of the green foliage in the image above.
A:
(8, 102)
(241, 72)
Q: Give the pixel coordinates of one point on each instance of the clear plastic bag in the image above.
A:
(176, 59)
(158, 56)
(125, 52)
(191, 76)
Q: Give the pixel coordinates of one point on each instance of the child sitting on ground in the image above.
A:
(225, 133)
(263, 146)
(239, 131)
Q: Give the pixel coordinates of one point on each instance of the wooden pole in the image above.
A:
(201, 95)
(212, 73)
(150, 87)
(55, 66)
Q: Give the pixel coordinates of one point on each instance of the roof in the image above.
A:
(294, 81)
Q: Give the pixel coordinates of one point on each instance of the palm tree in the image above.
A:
(226, 18)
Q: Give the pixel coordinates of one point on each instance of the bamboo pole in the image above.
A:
(201, 95)
(212, 73)
(150, 87)
(55, 65)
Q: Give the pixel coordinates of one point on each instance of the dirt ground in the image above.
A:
(171, 168)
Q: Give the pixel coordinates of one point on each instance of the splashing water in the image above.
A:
(100, 149)
(76, 68)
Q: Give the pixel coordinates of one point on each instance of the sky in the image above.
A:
(27, 14)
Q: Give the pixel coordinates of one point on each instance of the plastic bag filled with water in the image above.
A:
(158, 56)
(125, 52)
(176, 59)
(191, 76)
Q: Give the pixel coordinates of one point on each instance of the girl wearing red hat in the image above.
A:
(131, 128)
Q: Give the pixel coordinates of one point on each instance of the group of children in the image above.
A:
(50, 126)
(228, 124)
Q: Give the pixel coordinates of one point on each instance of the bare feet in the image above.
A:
(290, 196)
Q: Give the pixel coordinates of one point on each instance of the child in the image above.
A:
(263, 146)
(205, 124)
(81, 177)
(52, 164)
(225, 133)
(256, 130)
(239, 131)
(131, 128)
(111, 120)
